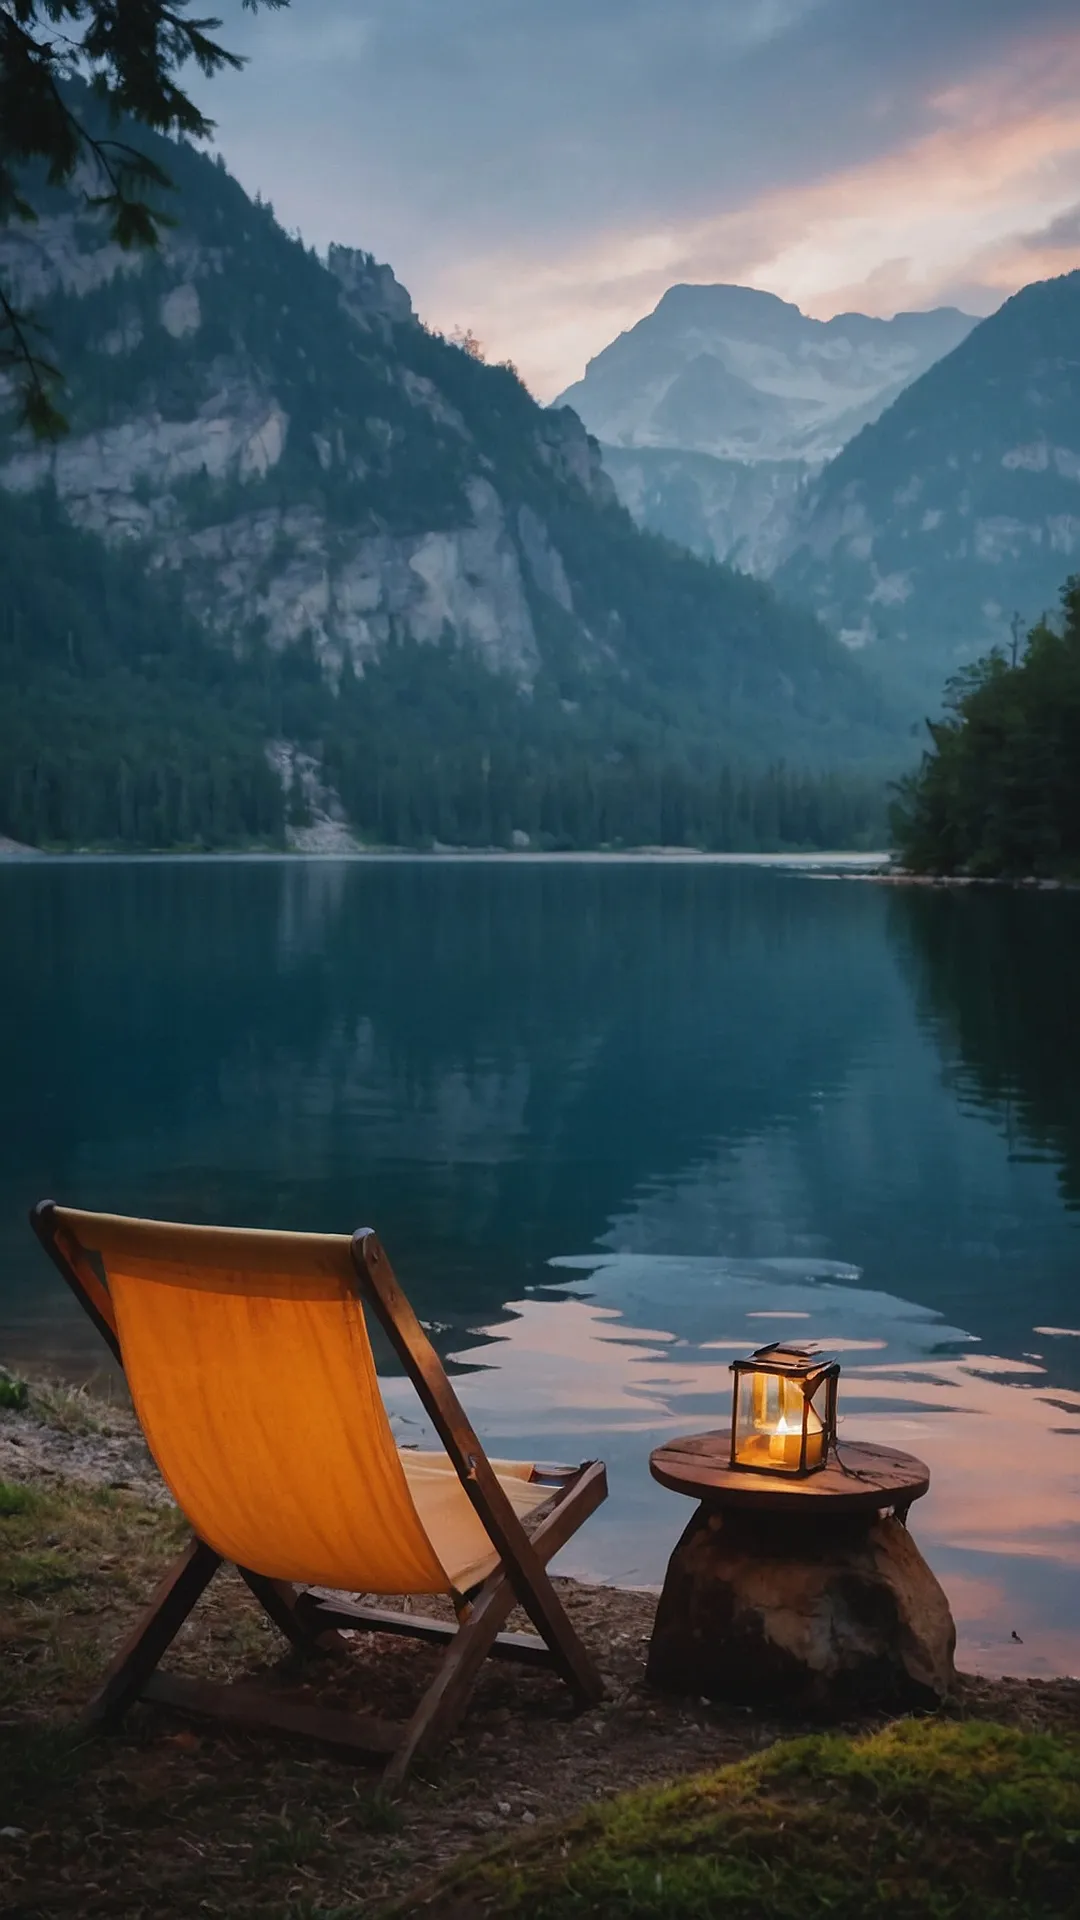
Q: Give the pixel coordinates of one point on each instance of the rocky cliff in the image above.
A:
(268, 428)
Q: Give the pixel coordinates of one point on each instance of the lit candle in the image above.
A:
(784, 1443)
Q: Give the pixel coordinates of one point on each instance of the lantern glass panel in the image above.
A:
(770, 1414)
(820, 1417)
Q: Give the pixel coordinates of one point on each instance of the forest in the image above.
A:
(121, 725)
(124, 725)
(998, 792)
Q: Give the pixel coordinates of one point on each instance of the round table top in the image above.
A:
(859, 1477)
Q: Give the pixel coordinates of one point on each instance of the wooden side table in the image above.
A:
(809, 1591)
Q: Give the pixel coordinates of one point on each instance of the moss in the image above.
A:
(924, 1818)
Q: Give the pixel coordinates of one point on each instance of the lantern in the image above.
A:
(783, 1410)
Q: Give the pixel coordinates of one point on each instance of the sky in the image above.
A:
(541, 171)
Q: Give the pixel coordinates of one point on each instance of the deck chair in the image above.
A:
(250, 1367)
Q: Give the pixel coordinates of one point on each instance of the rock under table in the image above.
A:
(806, 1591)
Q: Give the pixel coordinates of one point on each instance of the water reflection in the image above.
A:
(997, 978)
(486, 1062)
(757, 1100)
(640, 1349)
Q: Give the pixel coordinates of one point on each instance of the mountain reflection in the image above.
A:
(484, 1062)
(494, 1062)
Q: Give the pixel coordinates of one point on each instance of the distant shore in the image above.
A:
(876, 867)
(869, 862)
(899, 877)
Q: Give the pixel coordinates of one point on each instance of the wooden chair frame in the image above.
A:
(311, 1621)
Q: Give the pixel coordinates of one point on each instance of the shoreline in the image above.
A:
(85, 1434)
(9, 852)
(842, 865)
(178, 1817)
(1026, 883)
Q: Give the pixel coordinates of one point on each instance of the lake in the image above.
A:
(615, 1122)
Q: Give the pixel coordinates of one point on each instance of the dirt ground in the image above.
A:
(174, 1818)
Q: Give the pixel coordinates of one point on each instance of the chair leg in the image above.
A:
(445, 1700)
(278, 1598)
(139, 1654)
(581, 1498)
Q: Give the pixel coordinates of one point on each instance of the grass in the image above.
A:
(67, 1408)
(926, 1818)
(161, 1818)
(67, 1557)
(943, 1818)
(14, 1393)
(17, 1500)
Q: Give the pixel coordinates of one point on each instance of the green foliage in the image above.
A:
(924, 1818)
(14, 1395)
(999, 793)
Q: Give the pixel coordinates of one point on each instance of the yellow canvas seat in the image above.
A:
(450, 1522)
(250, 1366)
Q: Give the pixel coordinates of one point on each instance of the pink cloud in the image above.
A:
(952, 211)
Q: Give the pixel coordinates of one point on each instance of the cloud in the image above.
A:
(541, 170)
(906, 229)
(1062, 232)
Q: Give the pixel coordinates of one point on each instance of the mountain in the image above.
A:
(960, 507)
(291, 527)
(718, 407)
(743, 375)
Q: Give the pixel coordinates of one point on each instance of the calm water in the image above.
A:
(614, 1123)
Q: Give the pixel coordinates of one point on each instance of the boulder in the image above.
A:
(822, 1615)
